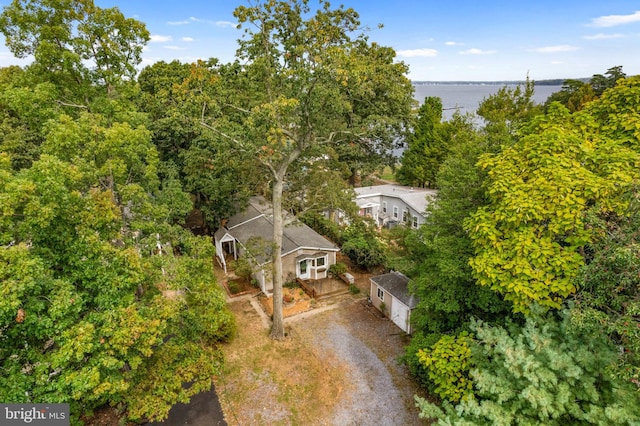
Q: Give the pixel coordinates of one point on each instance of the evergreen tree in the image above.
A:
(544, 372)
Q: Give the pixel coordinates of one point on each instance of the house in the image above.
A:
(393, 204)
(305, 253)
(390, 294)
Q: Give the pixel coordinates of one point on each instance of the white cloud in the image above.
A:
(185, 22)
(187, 39)
(555, 49)
(475, 51)
(412, 53)
(602, 36)
(157, 38)
(615, 20)
(453, 43)
(226, 24)
(171, 47)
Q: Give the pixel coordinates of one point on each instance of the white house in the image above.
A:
(390, 294)
(388, 204)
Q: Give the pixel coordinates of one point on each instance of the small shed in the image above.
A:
(390, 294)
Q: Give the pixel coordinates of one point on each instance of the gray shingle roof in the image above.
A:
(396, 284)
(416, 198)
(257, 221)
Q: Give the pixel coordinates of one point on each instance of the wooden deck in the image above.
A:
(321, 289)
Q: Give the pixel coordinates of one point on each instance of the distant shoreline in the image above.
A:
(554, 82)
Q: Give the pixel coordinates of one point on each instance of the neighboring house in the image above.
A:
(390, 294)
(392, 204)
(305, 253)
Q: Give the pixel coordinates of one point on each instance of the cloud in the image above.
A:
(157, 38)
(226, 24)
(555, 49)
(602, 36)
(475, 51)
(412, 53)
(185, 22)
(171, 47)
(453, 43)
(187, 39)
(615, 20)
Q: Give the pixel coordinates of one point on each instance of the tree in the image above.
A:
(541, 373)
(507, 111)
(75, 44)
(84, 321)
(427, 146)
(529, 240)
(307, 84)
(441, 249)
(607, 300)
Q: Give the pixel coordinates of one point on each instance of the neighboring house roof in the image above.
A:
(396, 284)
(257, 221)
(416, 198)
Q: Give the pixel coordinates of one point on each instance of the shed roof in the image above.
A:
(396, 284)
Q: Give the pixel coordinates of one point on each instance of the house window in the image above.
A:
(384, 207)
(321, 261)
(405, 216)
(415, 221)
(380, 294)
(395, 212)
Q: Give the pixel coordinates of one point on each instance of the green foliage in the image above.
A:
(440, 250)
(576, 94)
(448, 365)
(507, 110)
(243, 268)
(337, 269)
(428, 145)
(323, 226)
(529, 239)
(541, 373)
(76, 45)
(83, 318)
(354, 289)
(608, 298)
(363, 245)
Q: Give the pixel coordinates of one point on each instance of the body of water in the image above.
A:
(467, 97)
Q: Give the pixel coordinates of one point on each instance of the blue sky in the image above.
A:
(443, 41)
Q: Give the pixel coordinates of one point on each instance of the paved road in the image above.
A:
(203, 410)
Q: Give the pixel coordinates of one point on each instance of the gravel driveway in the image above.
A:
(356, 334)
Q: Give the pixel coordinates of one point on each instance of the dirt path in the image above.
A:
(336, 367)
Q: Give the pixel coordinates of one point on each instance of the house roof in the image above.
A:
(416, 198)
(257, 222)
(396, 284)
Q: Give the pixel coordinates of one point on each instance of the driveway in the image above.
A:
(338, 366)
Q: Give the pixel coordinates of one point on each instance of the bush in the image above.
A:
(337, 269)
(234, 287)
(364, 252)
(353, 289)
(447, 363)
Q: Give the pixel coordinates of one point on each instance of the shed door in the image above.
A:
(399, 315)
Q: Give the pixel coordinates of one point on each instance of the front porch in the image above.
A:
(323, 288)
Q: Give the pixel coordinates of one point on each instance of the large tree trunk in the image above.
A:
(277, 330)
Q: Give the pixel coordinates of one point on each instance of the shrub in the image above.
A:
(337, 269)
(447, 363)
(234, 287)
(353, 289)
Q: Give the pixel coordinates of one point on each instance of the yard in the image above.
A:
(336, 366)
